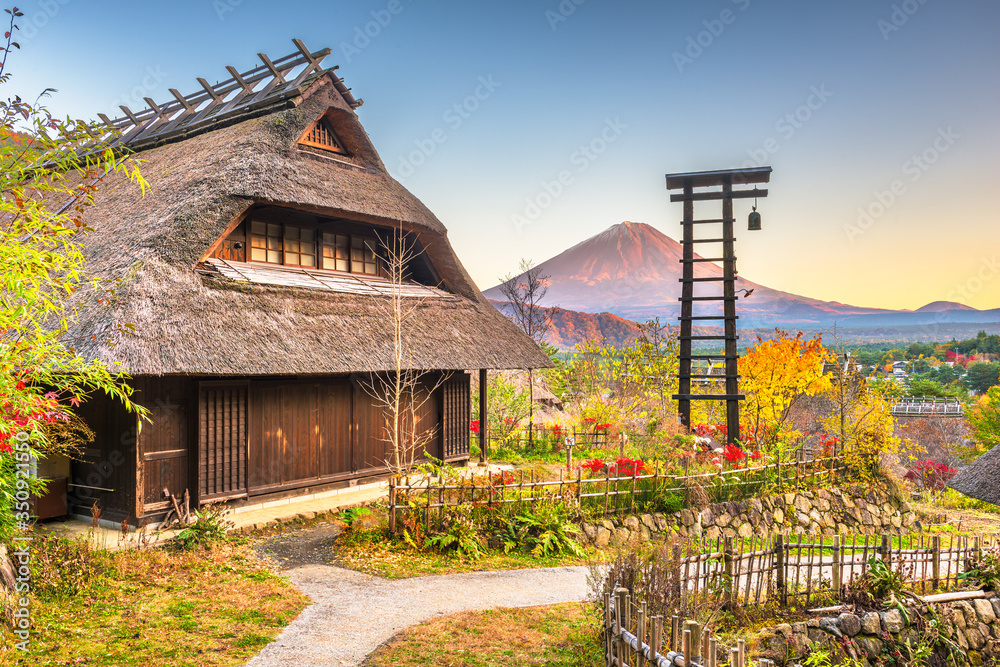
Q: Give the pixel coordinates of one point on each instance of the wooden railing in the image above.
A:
(605, 494)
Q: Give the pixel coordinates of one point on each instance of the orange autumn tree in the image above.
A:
(775, 374)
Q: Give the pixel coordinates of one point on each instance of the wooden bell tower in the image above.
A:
(712, 186)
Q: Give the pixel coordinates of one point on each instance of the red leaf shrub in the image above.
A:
(930, 474)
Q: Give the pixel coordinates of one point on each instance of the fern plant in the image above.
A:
(548, 531)
(459, 535)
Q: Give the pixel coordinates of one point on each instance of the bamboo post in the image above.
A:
(694, 628)
(713, 649)
(640, 632)
(687, 648)
(579, 487)
(741, 651)
(392, 505)
(608, 626)
(727, 559)
(734, 657)
(656, 640)
(977, 548)
(884, 550)
(607, 488)
(779, 569)
(706, 635)
(681, 585)
(675, 633)
(936, 561)
(835, 576)
(427, 513)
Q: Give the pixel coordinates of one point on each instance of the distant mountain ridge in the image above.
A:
(631, 270)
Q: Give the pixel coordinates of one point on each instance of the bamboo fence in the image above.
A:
(776, 568)
(607, 495)
(633, 639)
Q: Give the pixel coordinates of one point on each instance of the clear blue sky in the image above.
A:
(838, 97)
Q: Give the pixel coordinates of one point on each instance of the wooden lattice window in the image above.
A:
(320, 135)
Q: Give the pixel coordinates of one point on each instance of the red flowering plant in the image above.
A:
(930, 475)
(828, 444)
(595, 466)
(474, 426)
(603, 427)
(502, 478)
(627, 467)
(733, 453)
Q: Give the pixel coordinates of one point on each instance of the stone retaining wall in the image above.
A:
(971, 628)
(827, 511)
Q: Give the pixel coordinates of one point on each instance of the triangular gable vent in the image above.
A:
(320, 135)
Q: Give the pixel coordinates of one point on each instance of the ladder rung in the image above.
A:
(711, 279)
(709, 357)
(706, 259)
(709, 397)
(707, 317)
(685, 242)
(708, 337)
(716, 377)
(702, 222)
(707, 298)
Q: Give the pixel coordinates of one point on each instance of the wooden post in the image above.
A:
(695, 629)
(884, 550)
(640, 632)
(936, 561)
(675, 633)
(687, 648)
(713, 650)
(681, 585)
(977, 549)
(484, 440)
(687, 310)
(835, 566)
(741, 651)
(608, 627)
(656, 641)
(779, 569)
(727, 560)
(706, 635)
(392, 505)
(734, 657)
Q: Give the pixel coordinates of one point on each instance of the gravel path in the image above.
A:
(352, 613)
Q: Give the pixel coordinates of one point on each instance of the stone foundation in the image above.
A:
(826, 511)
(970, 627)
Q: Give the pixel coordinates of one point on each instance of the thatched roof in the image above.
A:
(189, 322)
(981, 479)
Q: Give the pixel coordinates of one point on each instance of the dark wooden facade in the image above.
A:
(234, 440)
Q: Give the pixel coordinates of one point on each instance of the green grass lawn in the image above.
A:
(160, 607)
(561, 635)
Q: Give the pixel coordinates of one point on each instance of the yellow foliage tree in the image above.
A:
(775, 374)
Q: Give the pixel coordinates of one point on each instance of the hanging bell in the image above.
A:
(753, 222)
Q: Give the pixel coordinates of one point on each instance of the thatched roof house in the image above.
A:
(254, 272)
(981, 479)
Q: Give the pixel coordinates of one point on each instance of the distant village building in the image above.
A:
(253, 272)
